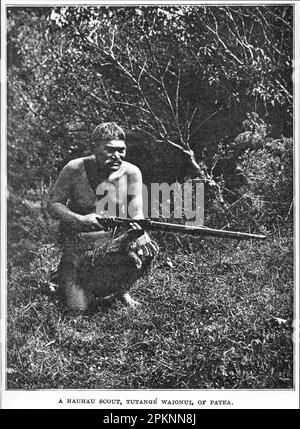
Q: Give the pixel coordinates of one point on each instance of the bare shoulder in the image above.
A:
(75, 165)
(131, 169)
(73, 169)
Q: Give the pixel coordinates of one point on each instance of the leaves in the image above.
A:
(181, 76)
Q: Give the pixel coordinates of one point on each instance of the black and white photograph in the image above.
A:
(149, 205)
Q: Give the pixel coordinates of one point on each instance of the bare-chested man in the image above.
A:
(91, 187)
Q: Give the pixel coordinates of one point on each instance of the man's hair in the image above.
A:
(108, 131)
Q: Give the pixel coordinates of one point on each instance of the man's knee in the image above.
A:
(77, 299)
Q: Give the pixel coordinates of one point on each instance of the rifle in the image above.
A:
(152, 225)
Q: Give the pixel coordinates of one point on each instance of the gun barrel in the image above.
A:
(201, 230)
(149, 224)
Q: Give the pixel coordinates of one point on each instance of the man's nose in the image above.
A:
(116, 154)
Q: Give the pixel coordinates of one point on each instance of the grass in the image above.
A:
(215, 313)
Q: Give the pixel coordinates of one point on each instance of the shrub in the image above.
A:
(257, 180)
(29, 225)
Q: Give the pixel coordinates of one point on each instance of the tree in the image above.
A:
(183, 77)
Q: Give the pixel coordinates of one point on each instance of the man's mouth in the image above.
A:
(114, 163)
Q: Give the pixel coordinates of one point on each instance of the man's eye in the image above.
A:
(116, 150)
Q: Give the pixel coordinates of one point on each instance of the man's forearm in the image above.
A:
(60, 212)
(135, 208)
(139, 215)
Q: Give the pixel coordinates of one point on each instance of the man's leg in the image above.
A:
(77, 299)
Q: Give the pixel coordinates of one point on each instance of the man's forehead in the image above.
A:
(112, 143)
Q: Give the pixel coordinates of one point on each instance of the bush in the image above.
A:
(257, 180)
(269, 177)
(29, 225)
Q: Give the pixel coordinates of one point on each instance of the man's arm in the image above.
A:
(135, 193)
(59, 195)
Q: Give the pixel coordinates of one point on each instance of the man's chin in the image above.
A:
(113, 166)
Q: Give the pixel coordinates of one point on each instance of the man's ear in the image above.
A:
(93, 145)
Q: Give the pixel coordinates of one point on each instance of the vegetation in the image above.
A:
(217, 316)
(181, 79)
(203, 92)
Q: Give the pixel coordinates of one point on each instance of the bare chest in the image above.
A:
(109, 197)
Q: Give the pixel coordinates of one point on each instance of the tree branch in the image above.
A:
(161, 131)
(38, 115)
(227, 50)
(207, 119)
(102, 102)
(132, 105)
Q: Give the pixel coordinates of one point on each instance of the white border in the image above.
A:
(240, 399)
(3, 199)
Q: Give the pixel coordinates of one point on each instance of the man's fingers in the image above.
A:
(149, 249)
(97, 226)
(102, 223)
(146, 251)
(135, 225)
(137, 261)
(154, 247)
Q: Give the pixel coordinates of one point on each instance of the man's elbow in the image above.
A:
(51, 208)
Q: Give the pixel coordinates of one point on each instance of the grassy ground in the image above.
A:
(215, 314)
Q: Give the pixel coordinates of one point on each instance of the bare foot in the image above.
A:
(126, 298)
(108, 300)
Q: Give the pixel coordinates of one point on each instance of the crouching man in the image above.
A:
(97, 260)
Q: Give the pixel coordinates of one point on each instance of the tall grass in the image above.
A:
(215, 313)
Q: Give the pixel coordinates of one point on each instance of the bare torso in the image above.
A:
(112, 192)
(109, 196)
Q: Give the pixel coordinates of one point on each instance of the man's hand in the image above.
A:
(135, 225)
(89, 223)
(142, 249)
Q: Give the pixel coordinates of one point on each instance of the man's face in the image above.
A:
(110, 153)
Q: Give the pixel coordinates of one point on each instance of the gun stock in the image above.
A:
(152, 225)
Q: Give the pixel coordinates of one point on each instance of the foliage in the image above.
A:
(180, 77)
(269, 179)
(29, 226)
(257, 179)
